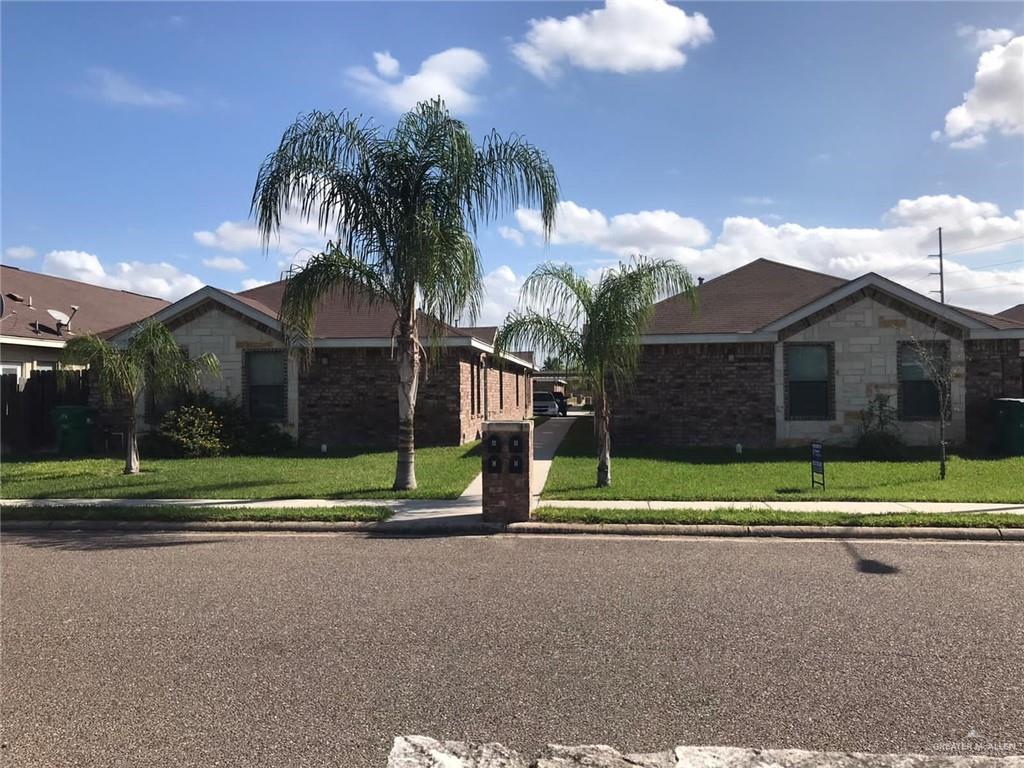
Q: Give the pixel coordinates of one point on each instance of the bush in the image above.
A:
(194, 431)
(879, 439)
(239, 434)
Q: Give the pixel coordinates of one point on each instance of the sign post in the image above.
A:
(817, 465)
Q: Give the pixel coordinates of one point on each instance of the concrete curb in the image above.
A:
(773, 531)
(441, 527)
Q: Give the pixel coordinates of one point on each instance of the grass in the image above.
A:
(776, 475)
(442, 472)
(168, 514)
(772, 517)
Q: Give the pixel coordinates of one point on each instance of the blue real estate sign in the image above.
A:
(817, 464)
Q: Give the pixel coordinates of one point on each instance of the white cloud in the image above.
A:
(151, 279)
(983, 39)
(659, 234)
(450, 74)
(297, 237)
(894, 249)
(625, 36)
(226, 263)
(501, 295)
(387, 65)
(250, 283)
(511, 233)
(116, 88)
(19, 252)
(995, 103)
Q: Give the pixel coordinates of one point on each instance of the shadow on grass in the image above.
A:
(580, 443)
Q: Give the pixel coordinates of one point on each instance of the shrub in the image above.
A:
(878, 438)
(239, 434)
(194, 431)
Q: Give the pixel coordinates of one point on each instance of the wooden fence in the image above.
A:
(26, 421)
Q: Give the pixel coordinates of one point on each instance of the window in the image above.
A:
(267, 385)
(517, 388)
(918, 398)
(501, 390)
(809, 382)
(12, 369)
(472, 388)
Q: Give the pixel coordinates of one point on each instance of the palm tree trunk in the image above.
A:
(604, 441)
(408, 383)
(131, 445)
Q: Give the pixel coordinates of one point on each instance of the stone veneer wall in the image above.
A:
(995, 368)
(866, 335)
(698, 394)
(210, 327)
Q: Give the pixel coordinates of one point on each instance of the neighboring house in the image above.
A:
(549, 384)
(777, 355)
(30, 337)
(1013, 313)
(343, 391)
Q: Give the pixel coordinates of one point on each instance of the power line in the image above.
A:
(1001, 264)
(985, 245)
(987, 287)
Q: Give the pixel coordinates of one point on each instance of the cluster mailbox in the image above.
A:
(507, 469)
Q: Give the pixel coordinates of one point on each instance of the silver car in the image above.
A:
(544, 404)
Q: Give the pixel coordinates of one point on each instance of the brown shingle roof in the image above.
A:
(1013, 313)
(99, 309)
(999, 321)
(744, 300)
(344, 316)
(482, 332)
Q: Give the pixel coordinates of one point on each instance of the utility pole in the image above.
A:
(941, 273)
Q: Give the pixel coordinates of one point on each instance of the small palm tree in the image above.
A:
(150, 360)
(552, 363)
(594, 329)
(405, 206)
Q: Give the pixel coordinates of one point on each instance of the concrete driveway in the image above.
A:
(315, 650)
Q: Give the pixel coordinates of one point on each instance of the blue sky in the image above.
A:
(832, 136)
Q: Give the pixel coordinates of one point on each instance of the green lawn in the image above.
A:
(443, 473)
(777, 475)
(166, 514)
(772, 517)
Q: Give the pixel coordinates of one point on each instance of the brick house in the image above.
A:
(777, 355)
(344, 391)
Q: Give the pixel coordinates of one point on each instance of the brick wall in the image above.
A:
(350, 397)
(699, 394)
(995, 368)
(491, 393)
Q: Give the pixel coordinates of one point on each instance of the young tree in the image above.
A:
(933, 358)
(595, 329)
(552, 363)
(150, 360)
(405, 207)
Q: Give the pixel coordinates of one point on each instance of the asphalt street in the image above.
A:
(316, 650)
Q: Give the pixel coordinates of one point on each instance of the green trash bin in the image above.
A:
(1008, 420)
(74, 424)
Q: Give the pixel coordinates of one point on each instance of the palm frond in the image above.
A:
(331, 273)
(532, 330)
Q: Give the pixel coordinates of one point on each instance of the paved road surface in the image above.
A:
(315, 650)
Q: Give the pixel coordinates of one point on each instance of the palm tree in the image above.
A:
(150, 360)
(405, 206)
(552, 363)
(594, 328)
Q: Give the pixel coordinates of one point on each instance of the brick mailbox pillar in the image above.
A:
(507, 471)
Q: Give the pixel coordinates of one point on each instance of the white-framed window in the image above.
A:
(7, 369)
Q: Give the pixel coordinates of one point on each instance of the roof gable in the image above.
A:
(743, 300)
(1016, 314)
